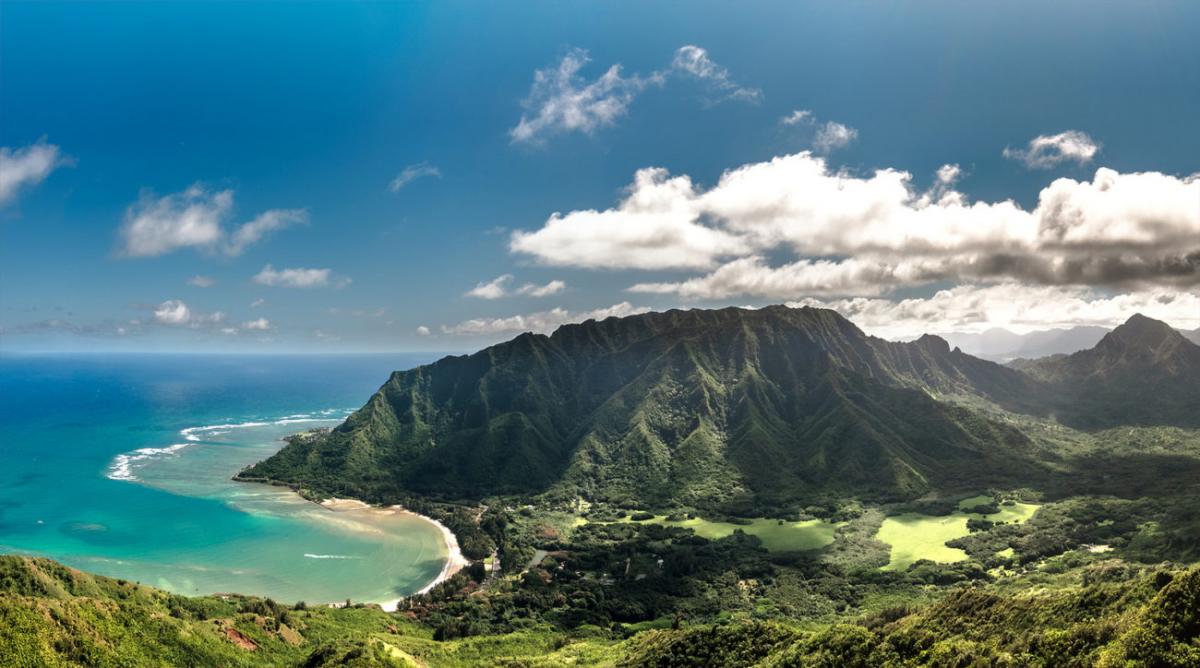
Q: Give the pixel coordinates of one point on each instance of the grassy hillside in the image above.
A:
(1107, 614)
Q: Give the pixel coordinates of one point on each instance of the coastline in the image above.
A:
(455, 561)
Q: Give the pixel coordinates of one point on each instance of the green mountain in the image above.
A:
(728, 408)
(733, 410)
(1142, 373)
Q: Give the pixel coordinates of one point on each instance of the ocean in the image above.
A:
(121, 464)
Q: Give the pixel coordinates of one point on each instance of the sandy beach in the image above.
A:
(455, 561)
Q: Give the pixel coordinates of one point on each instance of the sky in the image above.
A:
(342, 177)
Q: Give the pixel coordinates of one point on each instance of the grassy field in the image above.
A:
(914, 536)
(776, 535)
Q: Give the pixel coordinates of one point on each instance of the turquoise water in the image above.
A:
(121, 465)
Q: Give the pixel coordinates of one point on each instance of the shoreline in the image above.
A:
(455, 561)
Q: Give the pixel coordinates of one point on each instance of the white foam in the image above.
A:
(122, 466)
(330, 556)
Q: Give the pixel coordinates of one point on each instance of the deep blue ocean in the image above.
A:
(121, 464)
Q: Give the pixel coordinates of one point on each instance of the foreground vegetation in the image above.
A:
(1104, 613)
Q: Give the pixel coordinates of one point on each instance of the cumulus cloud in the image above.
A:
(541, 322)
(172, 312)
(561, 100)
(866, 234)
(797, 117)
(654, 227)
(259, 324)
(833, 135)
(827, 136)
(535, 290)
(195, 218)
(422, 330)
(1046, 151)
(175, 312)
(157, 225)
(201, 281)
(297, 277)
(493, 289)
(412, 173)
(1013, 306)
(28, 166)
(694, 61)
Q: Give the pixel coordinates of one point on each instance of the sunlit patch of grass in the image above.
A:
(776, 535)
(914, 536)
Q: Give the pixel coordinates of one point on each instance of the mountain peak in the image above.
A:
(1142, 331)
(933, 343)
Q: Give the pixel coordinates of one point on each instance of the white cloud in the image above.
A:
(534, 290)
(195, 218)
(422, 330)
(493, 289)
(157, 225)
(265, 223)
(1046, 151)
(497, 288)
(201, 281)
(175, 312)
(1015, 307)
(172, 312)
(294, 278)
(412, 173)
(752, 276)
(27, 166)
(541, 322)
(694, 61)
(561, 101)
(654, 227)
(257, 302)
(833, 135)
(259, 324)
(797, 117)
(827, 136)
(866, 234)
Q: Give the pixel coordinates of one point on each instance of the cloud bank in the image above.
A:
(862, 235)
(542, 322)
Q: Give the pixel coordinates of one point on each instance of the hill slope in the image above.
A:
(732, 408)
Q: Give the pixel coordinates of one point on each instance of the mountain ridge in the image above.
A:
(732, 409)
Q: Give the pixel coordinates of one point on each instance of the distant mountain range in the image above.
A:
(734, 409)
(1001, 345)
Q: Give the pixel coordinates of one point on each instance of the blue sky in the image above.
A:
(284, 128)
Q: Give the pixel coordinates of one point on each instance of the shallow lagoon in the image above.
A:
(122, 465)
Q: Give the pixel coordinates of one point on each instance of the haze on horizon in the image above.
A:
(330, 177)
